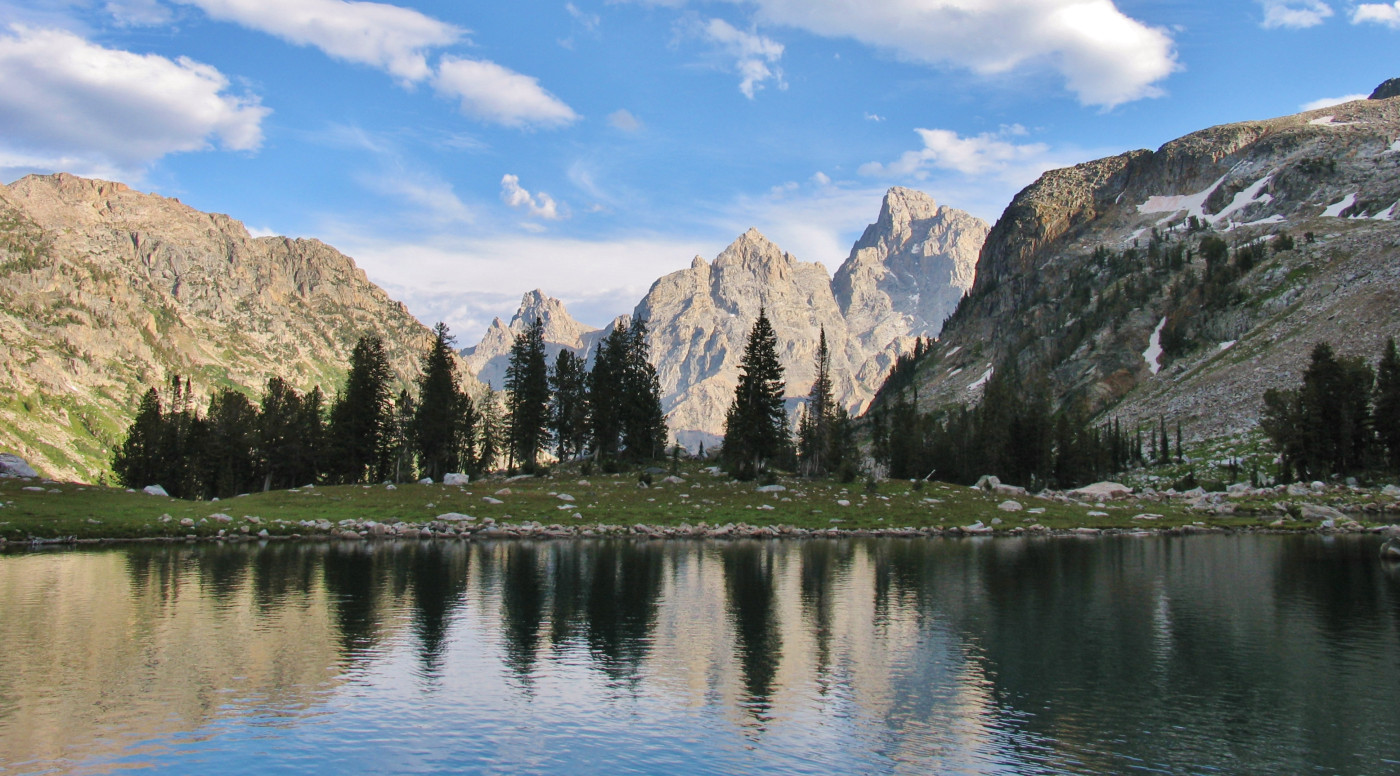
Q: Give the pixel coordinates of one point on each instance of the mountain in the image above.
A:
(1183, 282)
(902, 278)
(489, 358)
(106, 291)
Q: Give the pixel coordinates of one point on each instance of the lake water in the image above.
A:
(1200, 654)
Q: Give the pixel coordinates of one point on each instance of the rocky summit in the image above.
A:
(1182, 283)
(106, 291)
(489, 358)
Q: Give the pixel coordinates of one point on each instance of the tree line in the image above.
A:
(368, 434)
(1344, 418)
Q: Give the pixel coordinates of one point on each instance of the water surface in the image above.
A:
(1200, 654)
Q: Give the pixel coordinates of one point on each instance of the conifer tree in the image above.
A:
(362, 414)
(605, 396)
(755, 427)
(1387, 404)
(527, 397)
(311, 458)
(490, 438)
(568, 410)
(402, 441)
(814, 432)
(226, 457)
(279, 433)
(440, 410)
(643, 423)
(139, 460)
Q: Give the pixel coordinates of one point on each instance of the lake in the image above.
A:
(1193, 654)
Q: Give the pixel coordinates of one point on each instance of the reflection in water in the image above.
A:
(1188, 654)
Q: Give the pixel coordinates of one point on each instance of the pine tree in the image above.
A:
(1387, 404)
(226, 455)
(491, 435)
(527, 397)
(279, 433)
(402, 441)
(138, 462)
(643, 422)
(814, 434)
(362, 414)
(605, 396)
(312, 454)
(755, 427)
(568, 410)
(439, 410)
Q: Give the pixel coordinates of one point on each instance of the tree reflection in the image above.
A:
(748, 575)
(439, 575)
(625, 580)
(350, 571)
(822, 562)
(522, 605)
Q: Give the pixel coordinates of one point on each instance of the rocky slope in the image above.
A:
(105, 291)
(1094, 277)
(489, 358)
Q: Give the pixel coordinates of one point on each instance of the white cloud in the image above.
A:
(1106, 57)
(1294, 14)
(1327, 102)
(494, 93)
(589, 21)
(66, 101)
(434, 200)
(624, 120)
(874, 117)
(947, 150)
(755, 56)
(821, 179)
(1379, 13)
(539, 205)
(388, 37)
(138, 13)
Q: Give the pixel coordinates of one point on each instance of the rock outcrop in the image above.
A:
(1094, 280)
(106, 291)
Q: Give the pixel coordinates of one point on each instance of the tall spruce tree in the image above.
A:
(755, 427)
(312, 454)
(279, 431)
(490, 437)
(568, 409)
(226, 457)
(440, 410)
(1323, 427)
(527, 397)
(362, 414)
(1387, 404)
(140, 460)
(605, 396)
(402, 441)
(815, 441)
(643, 422)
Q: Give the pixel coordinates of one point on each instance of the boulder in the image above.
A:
(454, 478)
(1010, 506)
(1319, 512)
(674, 480)
(1391, 491)
(426, 481)
(1102, 491)
(155, 490)
(12, 465)
(490, 500)
(771, 488)
(1299, 489)
(1391, 549)
(987, 482)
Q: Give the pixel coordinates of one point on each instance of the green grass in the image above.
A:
(87, 511)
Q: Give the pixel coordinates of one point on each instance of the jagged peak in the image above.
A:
(751, 247)
(698, 262)
(1389, 88)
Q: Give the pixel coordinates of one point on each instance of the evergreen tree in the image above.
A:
(1323, 427)
(312, 453)
(279, 434)
(755, 427)
(643, 423)
(439, 411)
(527, 397)
(402, 440)
(568, 410)
(1387, 404)
(605, 396)
(491, 436)
(226, 455)
(814, 432)
(362, 415)
(139, 461)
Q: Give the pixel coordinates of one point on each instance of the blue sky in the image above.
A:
(466, 152)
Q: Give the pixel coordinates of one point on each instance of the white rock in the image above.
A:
(564, 497)
(771, 488)
(426, 481)
(391, 486)
(1010, 506)
(187, 521)
(262, 534)
(221, 517)
(1092, 513)
(841, 502)
(674, 480)
(1102, 491)
(987, 482)
(490, 500)
(454, 517)
(1320, 512)
(1299, 489)
(454, 478)
(1390, 490)
(154, 490)
(585, 484)
(503, 492)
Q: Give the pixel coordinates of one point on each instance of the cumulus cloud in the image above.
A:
(1327, 102)
(138, 13)
(67, 103)
(388, 37)
(755, 56)
(947, 150)
(539, 205)
(497, 94)
(624, 120)
(1378, 13)
(1294, 14)
(1106, 57)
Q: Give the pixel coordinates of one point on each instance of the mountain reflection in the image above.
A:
(1185, 654)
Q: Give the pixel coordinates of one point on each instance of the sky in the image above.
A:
(466, 152)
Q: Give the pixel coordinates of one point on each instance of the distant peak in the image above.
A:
(1385, 91)
(698, 262)
(749, 247)
(901, 203)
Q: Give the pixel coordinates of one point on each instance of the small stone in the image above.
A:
(771, 489)
(1319, 512)
(673, 480)
(455, 478)
(503, 492)
(426, 481)
(391, 486)
(187, 521)
(221, 517)
(155, 490)
(490, 500)
(263, 534)
(564, 497)
(841, 502)
(1010, 506)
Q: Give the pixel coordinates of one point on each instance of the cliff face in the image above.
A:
(106, 291)
(1077, 282)
(489, 358)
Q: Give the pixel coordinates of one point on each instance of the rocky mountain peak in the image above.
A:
(489, 358)
(1388, 89)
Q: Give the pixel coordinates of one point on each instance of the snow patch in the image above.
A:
(1153, 354)
(981, 381)
(955, 349)
(1246, 198)
(1175, 203)
(1394, 147)
(1322, 121)
(955, 371)
(1274, 219)
(1226, 345)
(1335, 209)
(1389, 213)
